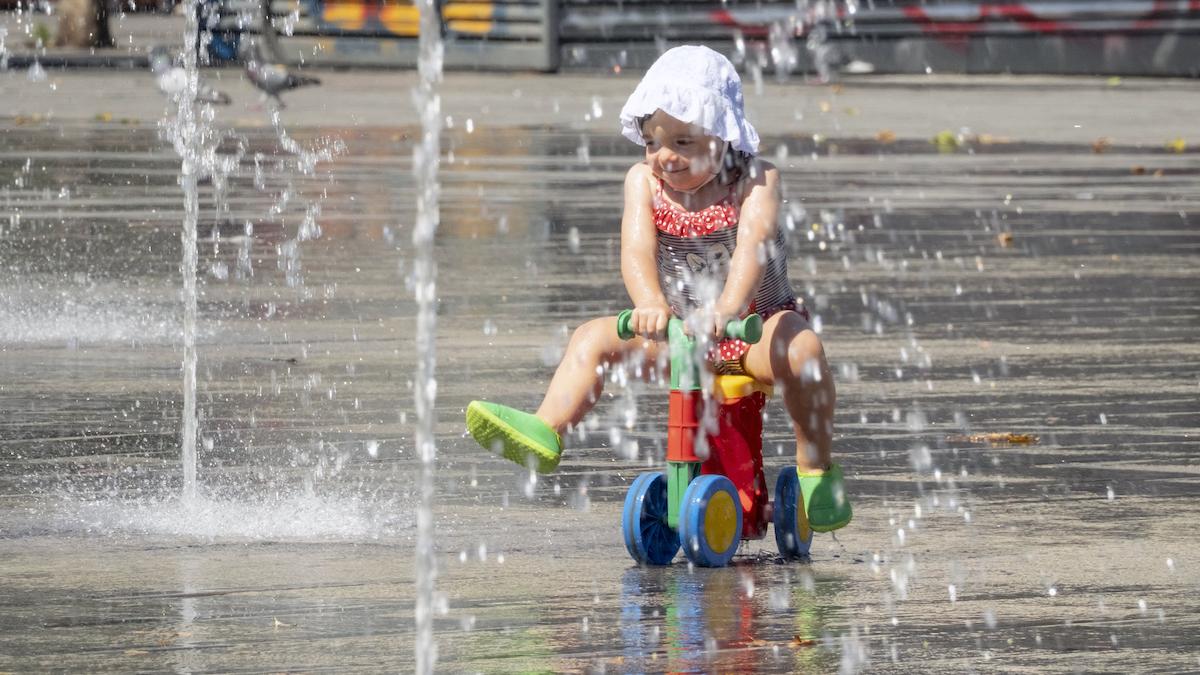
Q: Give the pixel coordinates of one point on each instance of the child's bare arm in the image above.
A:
(756, 231)
(639, 249)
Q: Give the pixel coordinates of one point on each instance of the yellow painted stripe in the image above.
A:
(351, 16)
(469, 11)
(401, 19)
(474, 27)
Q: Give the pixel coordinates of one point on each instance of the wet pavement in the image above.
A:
(1020, 284)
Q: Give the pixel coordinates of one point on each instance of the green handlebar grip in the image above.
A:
(623, 330)
(748, 329)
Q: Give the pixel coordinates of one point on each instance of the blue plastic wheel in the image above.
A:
(648, 538)
(792, 533)
(710, 521)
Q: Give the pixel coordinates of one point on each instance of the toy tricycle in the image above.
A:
(708, 505)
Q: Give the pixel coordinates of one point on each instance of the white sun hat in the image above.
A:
(697, 85)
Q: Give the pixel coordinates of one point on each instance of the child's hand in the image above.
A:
(721, 318)
(650, 321)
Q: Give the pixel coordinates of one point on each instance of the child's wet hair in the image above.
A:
(735, 166)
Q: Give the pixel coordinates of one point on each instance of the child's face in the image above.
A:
(681, 154)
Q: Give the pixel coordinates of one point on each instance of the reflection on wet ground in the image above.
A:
(1001, 288)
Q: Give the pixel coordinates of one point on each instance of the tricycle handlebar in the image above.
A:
(748, 329)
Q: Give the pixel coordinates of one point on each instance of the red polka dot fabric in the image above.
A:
(674, 220)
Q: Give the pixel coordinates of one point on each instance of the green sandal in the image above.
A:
(514, 435)
(825, 501)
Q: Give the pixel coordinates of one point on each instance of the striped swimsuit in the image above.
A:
(694, 250)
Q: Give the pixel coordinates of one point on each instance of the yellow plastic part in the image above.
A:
(720, 522)
(802, 527)
(733, 387)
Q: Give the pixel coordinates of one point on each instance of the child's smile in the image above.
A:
(681, 154)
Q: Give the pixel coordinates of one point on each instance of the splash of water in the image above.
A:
(425, 168)
(189, 142)
(294, 517)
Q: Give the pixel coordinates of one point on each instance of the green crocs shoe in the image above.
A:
(825, 500)
(515, 435)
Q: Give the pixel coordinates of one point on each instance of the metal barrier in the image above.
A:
(1137, 37)
(478, 34)
(1054, 36)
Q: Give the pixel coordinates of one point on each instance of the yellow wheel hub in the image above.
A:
(720, 522)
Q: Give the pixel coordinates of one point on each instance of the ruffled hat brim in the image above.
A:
(695, 85)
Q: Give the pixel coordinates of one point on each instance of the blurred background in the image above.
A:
(824, 37)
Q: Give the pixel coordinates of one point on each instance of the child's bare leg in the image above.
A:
(579, 380)
(790, 357)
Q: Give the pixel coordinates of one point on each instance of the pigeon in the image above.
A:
(271, 78)
(172, 79)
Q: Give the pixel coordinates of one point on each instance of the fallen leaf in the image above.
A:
(886, 136)
(946, 141)
(1005, 239)
(136, 652)
(825, 106)
(1177, 145)
(836, 88)
(1114, 81)
(1138, 170)
(996, 438)
(798, 641)
(1158, 173)
(1101, 145)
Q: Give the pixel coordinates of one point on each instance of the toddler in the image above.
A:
(700, 214)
